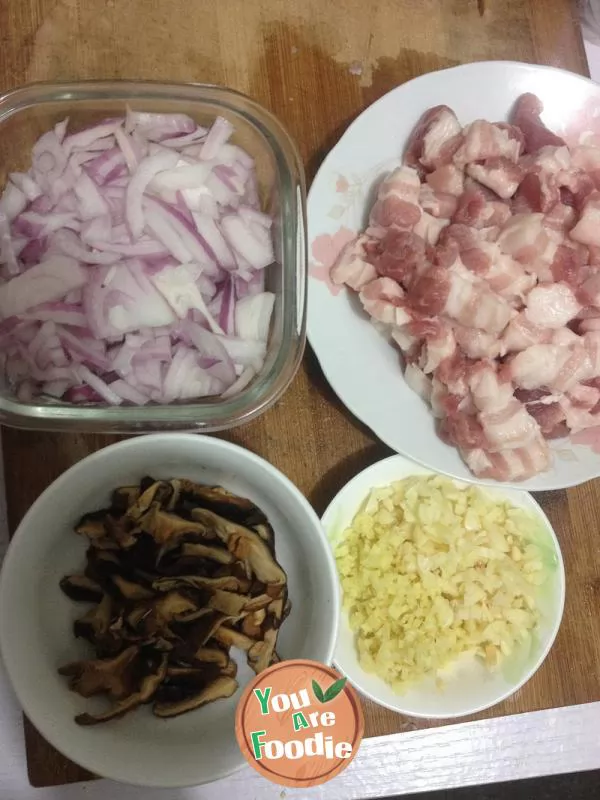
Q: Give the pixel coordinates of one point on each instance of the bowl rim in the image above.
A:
(403, 461)
(12, 554)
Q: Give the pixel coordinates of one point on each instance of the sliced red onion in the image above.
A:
(148, 374)
(218, 135)
(107, 166)
(253, 316)
(179, 288)
(131, 149)
(251, 217)
(60, 129)
(13, 201)
(187, 234)
(254, 285)
(26, 184)
(244, 352)
(147, 169)
(118, 300)
(49, 159)
(231, 154)
(97, 384)
(67, 242)
(251, 197)
(48, 280)
(97, 229)
(8, 256)
(202, 201)
(86, 138)
(185, 139)
(221, 192)
(82, 349)
(148, 248)
(123, 359)
(35, 225)
(60, 313)
(155, 127)
(209, 346)
(227, 308)
(255, 248)
(91, 202)
(160, 225)
(128, 393)
(185, 176)
(82, 395)
(210, 232)
(55, 388)
(134, 274)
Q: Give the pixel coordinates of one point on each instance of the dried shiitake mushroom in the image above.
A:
(179, 573)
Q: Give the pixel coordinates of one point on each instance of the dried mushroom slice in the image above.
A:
(156, 493)
(260, 655)
(92, 525)
(266, 533)
(122, 498)
(182, 682)
(252, 623)
(209, 654)
(194, 636)
(228, 602)
(228, 583)
(214, 553)
(81, 589)
(180, 574)
(247, 546)
(167, 528)
(222, 502)
(130, 590)
(106, 675)
(257, 602)
(95, 623)
(149, 684)
(220, 688)
(232, 638)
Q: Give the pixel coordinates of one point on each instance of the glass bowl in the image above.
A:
(28, 112)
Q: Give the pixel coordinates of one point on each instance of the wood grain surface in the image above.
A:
(316, 65)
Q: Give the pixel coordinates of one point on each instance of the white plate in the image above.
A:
(362, 368)
(36, 618)
(471, 688)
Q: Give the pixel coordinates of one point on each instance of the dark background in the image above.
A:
(580, 786)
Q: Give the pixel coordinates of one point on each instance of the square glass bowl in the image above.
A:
(28, 112)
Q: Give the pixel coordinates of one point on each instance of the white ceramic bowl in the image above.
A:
(373, 387)
(471, 688)
(36, 618)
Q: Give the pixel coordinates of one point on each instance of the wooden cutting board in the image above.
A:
(316, 65)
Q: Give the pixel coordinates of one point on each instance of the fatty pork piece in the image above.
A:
(526, 116)
(456, 293)
(471, 248)
(484, 249)
(398, 200)
(500, 439)
(434, 140)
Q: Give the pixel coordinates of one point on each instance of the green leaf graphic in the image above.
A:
(335, 689)
(318, 692)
